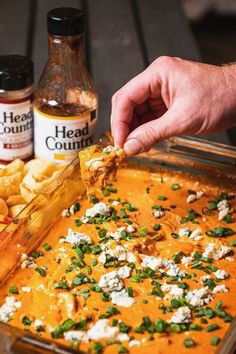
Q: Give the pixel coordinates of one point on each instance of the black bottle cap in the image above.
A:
(65, 21)
(16, 72)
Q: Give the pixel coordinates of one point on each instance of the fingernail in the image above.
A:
(133, 147)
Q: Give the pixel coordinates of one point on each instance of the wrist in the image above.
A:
(229, 72)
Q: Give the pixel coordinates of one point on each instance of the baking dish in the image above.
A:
(216, 161)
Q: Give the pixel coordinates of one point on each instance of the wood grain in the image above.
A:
(114, 50)
(14, 23)
(166, 30)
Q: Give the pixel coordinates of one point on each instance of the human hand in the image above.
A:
(173, 97)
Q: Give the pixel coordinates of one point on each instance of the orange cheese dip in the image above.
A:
(148, 266)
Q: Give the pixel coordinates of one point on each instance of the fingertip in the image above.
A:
(118, 143)
(118, 137)
(133, 147)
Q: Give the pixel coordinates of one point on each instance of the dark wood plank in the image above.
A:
(14, 24)
(39, 44)
(114, 50)
(166, 30)
(232, 135)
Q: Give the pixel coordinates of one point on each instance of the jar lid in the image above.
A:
(16, 72)
(65, 21)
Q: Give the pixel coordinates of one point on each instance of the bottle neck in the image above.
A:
(64, 49)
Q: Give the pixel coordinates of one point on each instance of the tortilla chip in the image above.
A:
(12, 168)
(16, 209)
(3, 207)
(15, 199)
(9, 185)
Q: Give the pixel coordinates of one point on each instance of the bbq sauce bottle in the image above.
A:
(65, 103)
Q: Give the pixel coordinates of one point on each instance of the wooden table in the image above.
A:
(122, 38)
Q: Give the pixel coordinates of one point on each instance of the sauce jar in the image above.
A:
(16, 114)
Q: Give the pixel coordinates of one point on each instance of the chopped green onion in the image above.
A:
(157, 207)
(160, 326)
(78, 222)
(94, 199)
(161, 197)
(36, 254)
(41, 271)
(143, 232)
(102, 233)
(106, 193)
(177, 256)
(189, 342)
(175, 303)
(67, 324)
(175, 328)
(105, 297)
(228, 218)
(130, 207)
(122, 350)
(94, 262)
(183, 220)
(13, 290)
(175, 187)
(212, 205)
(215, 340)
(195, 327)
(61, 285)
(97, 347)
(96, 249)
(111, 189)
(156, 227)
(212, 327)
(124, 328)
(123, 214)
(220, 232)
(204, 320)
(59, 330)
(114, 322)
(26, 321)
(183, 285)
(130, 291)
(47, 247)
(110, 311)
(127, 221)
(95, 288)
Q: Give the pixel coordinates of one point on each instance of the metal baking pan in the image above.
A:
(196, 156)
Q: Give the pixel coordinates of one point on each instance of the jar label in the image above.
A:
(16, 130)
(60, 138)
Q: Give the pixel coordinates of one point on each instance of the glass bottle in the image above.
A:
(16, 113)
(65, 101)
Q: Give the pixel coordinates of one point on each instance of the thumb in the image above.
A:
(149, 134)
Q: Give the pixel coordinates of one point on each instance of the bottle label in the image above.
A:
(60, 138)
(16, 130)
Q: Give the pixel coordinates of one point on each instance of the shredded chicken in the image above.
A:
(98, 165)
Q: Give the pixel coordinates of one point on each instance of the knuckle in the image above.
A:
(113, 99)
(151, 135)
(166, 62)
(117, 96)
